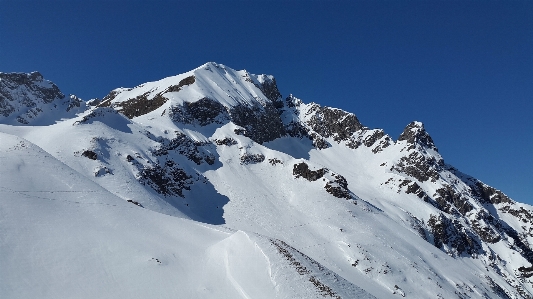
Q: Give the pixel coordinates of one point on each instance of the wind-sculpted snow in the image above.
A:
(210, 184)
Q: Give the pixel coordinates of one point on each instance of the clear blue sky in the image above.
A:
(464, 68)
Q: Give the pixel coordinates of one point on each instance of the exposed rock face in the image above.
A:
(185, 146)
(270, 90)
(90, 154)
(33, 89)
(418, 166)
(370, 138)
(449, 199)
(338, 187)
(488, 194)
(202, 112)
(27, 97)
(488, 228)
(318, 123)
(261, 123)
(227, 141)
(452, 237)
(415, 134)
(141, 105)
(331, 122)
(144, 103)
(74, 103)
(168, 180)
(302, 170)
(252, 158)
(184, 82)
(336, 184)
(414, 188)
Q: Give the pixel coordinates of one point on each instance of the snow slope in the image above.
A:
(64, 236)
(209, 184)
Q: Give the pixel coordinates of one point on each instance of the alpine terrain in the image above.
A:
(211, 184)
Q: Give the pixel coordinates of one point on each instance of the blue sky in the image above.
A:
(463, 68)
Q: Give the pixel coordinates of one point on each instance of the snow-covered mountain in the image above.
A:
(210, 184)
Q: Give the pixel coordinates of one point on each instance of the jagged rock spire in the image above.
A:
(415, 133)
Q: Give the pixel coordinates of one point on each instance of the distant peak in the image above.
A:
(415, 133)
(212, 64)
(36, 76)
(22, 78)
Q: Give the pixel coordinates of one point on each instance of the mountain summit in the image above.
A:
(211, 184)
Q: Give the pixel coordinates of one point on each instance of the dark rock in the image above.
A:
(322, 288)
(240, 131)
(10, 81)
(227, 141)
(168, 181)
(487, 194)
(339, 187)
(496, 288)
(520, 242)
(184, 82)
(526, 272)
(274, 161)
(296, 129)
(90, 154)
(285, 250)
(203, 112)
(261, 123)
(252, 158)
(521, 213)
(185, 146)
(292, 101)
(73, 102)
(270, 90)
(106, 101)
(376, 135)
(135, 203)
(448, 195)
(302, 170)
(94, 102)
(27, 90)
(415, 134)
(452, 234)
(331, 122)
(414, 188)
(318, 141)
(487, 227)
(140, 105)
(354, 143)
(418, 166)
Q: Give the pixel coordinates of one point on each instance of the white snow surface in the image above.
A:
(239, 230)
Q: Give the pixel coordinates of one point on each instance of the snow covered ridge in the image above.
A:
(210, 184)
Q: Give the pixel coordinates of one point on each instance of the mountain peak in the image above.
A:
(415, 133)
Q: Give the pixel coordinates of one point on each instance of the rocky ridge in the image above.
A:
(215, 115)
(26, 99)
